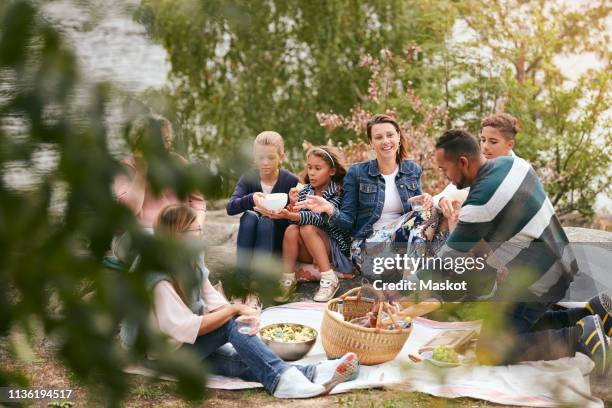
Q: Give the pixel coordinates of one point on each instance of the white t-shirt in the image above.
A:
(173, 318)
(267, 188)
(392, 209)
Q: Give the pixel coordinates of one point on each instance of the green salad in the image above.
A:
(445, 354)
(289, 333)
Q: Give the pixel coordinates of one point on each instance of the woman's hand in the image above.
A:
(287, 214)
(425, 199)
(243, 310)
(283, 214)
(249, 315)
(316, 204)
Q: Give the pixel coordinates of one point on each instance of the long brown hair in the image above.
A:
(146, 127)
(334, 159)
(402, 151)
(173, 220)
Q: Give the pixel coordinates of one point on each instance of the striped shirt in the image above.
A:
(508, 209)
(308, 217)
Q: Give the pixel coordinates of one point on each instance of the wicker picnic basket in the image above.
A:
(372, 345)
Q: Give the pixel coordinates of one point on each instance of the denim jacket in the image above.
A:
(364, 195)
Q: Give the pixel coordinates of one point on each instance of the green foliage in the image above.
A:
(392, 90)
(242, 67)
(238, 68)
(55, 230)
(566, 123)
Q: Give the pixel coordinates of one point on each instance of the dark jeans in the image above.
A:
(249, 359)
(258, 234)
(536, 333)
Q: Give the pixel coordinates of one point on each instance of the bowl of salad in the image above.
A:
(290, 341)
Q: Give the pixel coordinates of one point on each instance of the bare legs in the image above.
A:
(317, 245)
(305, 243)
(308, 244)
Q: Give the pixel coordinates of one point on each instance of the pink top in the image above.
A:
(151, 205)
(173, 318)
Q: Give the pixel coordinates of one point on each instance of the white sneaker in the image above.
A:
(293, 384)
(328, 286)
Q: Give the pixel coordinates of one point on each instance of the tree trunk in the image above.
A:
(520, 64)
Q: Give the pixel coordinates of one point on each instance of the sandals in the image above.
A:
(327, 290)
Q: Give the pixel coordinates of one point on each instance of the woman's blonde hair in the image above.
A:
(271, 138)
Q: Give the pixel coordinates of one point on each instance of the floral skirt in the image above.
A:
(418, 233)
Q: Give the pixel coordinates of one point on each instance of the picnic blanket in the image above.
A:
(534, 384)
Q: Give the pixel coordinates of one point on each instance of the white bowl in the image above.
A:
(275, 202)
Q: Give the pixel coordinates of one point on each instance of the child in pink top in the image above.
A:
(132, 189)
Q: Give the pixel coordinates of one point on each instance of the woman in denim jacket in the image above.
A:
(379, 194)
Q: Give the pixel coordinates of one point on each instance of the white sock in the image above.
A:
(329, 275)
(325, 371)
(293, 384)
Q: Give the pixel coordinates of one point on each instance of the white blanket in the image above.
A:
(536, 384)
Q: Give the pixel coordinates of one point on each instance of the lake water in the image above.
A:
(110, 46)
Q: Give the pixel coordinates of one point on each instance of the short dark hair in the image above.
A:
(457, 142)
(506, 124)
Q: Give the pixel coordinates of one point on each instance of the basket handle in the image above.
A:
(379, 315)
(388, 307)
(351, 291)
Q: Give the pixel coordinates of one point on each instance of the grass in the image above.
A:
(44, 370)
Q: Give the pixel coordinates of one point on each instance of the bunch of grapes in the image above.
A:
(445, 354)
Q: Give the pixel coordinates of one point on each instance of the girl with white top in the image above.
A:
(203, 321)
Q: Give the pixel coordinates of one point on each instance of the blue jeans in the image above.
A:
(250, 359)
(255, 234)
